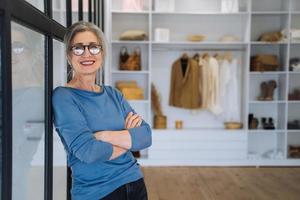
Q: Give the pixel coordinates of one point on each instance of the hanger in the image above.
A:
(228, 56)
(184, 56)
(218, 56)
(196, 56)
(205, 55)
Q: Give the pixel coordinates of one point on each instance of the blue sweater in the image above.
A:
(80, 113)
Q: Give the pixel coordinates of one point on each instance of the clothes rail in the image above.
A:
(196, 49)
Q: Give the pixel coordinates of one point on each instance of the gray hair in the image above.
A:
(82, 26)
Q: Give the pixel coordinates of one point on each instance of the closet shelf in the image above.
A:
(267, 102)
(199, 13)
(270, 12)
(268, 73)
(129, 42)
(291, 72)
(293, 131)
(268, 43)
(266, 131)
(139, 101)
(144, 12)
(185, 45)
(294, 102)
(129, 72)
(199, 130)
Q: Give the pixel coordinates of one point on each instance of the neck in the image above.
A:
(85, 82)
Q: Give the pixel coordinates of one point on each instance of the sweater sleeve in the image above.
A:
(72, 128)
(141, 137)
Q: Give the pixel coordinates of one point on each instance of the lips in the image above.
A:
(87, 62)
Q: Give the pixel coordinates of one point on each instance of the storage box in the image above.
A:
(162, 35)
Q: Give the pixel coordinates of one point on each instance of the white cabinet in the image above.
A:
(203, 139)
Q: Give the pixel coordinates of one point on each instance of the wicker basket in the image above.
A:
(160, 122)
(233, 125)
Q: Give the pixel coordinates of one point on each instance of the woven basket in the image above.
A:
(160, 122)
(233, 125)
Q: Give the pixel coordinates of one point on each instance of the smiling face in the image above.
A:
(86, 63)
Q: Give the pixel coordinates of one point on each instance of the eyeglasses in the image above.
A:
(79, 49)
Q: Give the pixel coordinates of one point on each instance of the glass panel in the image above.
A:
(85, 8)
(38, 4)
(74, 11)
(59, 155)
(59, 11)
(0, 115)
(28, 113)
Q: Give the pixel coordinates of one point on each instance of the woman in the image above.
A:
(97, 125)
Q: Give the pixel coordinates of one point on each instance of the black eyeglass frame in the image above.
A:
(89, 46)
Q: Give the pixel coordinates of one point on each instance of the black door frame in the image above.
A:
(27, 15)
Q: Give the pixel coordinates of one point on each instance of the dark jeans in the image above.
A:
(131, 191)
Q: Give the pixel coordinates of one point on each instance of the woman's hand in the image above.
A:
(133, 120)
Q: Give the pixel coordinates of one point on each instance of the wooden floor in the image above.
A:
(195, 183)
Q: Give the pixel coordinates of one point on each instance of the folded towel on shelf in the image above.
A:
(130, 90)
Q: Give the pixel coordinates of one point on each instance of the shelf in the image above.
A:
(291, 72)
(139, 101)
(270, 12)
(267, 102)
(267, 73)
(266, 131)
(198, 130)
(130, 12)
(268, 43)
(200, 45)
(198, 13)
(293, 102)
(295, 42)
(129, 72)
(128, 42)
(293, 131)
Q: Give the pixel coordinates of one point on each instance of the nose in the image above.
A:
(86, 52)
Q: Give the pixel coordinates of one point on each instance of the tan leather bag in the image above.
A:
(264, 62)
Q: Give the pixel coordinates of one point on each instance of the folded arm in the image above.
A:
(72, 127)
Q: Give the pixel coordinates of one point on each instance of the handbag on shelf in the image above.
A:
(131, 62)
(264, 62)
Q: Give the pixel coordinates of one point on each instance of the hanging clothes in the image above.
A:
(224, 70)
(184, 92)
(210, 84)
(232, 110)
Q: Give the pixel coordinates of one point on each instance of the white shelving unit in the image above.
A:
(203, 139)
